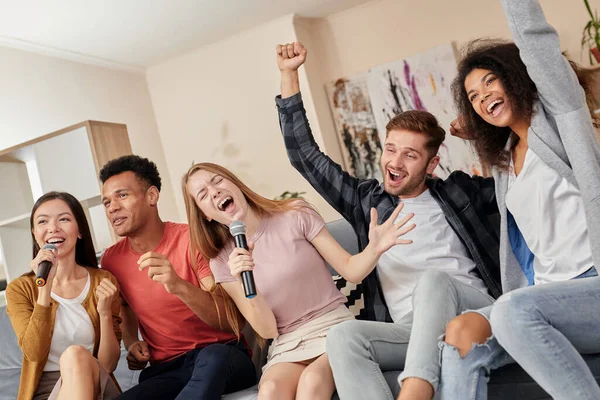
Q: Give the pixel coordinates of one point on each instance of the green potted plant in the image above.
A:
(591, 34)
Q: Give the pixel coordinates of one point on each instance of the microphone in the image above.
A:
(44, 268)
(238, 231)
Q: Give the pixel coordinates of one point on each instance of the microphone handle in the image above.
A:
(42, 274)
(247, 276)
(249, 286)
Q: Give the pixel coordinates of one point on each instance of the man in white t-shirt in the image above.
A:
(450, 266)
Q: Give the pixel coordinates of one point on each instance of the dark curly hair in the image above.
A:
(503, 59)
(144, 169)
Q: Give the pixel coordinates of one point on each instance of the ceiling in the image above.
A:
(140, 33)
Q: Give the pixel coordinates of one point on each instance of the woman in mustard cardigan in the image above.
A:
(68, 329)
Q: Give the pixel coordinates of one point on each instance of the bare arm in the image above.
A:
(109, 350)
(256, 310)
(109, 307)
(199, 300)
(138, 353)
(354, 268)
(290, 84)
(129, 325)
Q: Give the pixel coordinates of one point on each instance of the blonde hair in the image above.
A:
(210, 237)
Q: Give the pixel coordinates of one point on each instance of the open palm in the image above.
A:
(389, 234)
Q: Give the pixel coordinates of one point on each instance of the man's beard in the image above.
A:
(409, 187)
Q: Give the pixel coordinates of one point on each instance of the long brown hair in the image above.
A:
(85, 255)
(210, 237)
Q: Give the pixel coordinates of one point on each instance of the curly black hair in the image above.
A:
(503, 59)
(144, 169)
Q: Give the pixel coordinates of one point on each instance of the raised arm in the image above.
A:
(339, 188)
(355, 268)
(109, 308)
(539, 46)
(482, 188)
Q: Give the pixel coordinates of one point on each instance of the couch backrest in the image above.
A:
(10, 359)
(342, 231)
(11, 356)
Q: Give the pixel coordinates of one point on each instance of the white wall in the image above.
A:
(41, 94)
(217, 104)
(386, 30)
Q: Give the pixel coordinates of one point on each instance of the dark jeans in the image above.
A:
(201, 374)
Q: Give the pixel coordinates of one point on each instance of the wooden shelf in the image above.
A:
(68, 160)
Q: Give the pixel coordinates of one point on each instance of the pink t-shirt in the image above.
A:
(289, 272)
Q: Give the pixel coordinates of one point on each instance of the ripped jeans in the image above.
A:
(543, 328)
(361, 351)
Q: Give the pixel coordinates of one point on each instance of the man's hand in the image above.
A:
(290, 56)
(161, 270)
(388, 234)
(138, 355)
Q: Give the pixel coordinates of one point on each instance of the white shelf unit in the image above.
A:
(69, 161)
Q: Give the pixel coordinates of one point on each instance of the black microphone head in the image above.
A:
(237, 228)
(49, 246)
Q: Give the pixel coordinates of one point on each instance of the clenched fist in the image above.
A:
(160, 270)
(290, 56)
(105, 292)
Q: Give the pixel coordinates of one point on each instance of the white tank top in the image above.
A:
(72, 326)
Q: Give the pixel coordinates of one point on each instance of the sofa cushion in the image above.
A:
(10, 361)
(342, 231)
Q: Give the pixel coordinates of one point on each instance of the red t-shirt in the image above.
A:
(166, 323)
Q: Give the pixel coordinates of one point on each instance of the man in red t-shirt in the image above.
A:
(164, 294)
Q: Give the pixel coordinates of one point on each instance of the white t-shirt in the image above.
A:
(72, 326)
(435, 246)
(549, 213)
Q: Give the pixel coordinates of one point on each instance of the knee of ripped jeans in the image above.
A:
(467, 329)
(447, 349)
(478, 358)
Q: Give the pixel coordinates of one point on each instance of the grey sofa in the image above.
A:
(509, 382)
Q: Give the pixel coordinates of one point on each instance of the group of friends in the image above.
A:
(460, 276)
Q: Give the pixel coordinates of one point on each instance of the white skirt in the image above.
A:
(306, 342)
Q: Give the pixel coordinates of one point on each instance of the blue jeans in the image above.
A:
(201, 374)
(361, 351)
(544, 328)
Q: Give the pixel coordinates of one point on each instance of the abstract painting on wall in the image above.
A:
(355, 125)
(363, 104)
(422, 82)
